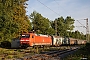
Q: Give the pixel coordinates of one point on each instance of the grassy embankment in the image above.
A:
(10, 53)
(81, 53)
(19, 53)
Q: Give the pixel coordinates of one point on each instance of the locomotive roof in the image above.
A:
(57, 36)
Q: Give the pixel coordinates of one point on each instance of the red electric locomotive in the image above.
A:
(32, 39)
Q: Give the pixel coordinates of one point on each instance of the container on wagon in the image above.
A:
(57, 40)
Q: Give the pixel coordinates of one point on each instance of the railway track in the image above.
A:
(52, 55)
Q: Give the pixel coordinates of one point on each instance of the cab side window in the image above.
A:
(32, 36)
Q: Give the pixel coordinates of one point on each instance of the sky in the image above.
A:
(52, 9)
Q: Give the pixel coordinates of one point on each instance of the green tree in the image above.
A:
(13, 19)
(6, 22)
(41, 25)
(20, 17)
(68, 24)
(77, 35)
(89, 38)
(60, 26)
(63, 25)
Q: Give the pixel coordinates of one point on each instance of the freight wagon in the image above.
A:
(73, 41)
(57, 40)
(65, 41)
(82, 41)
(77, 41)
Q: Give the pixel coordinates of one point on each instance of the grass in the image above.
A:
(9, 53)
(83, 52)
(19, 53)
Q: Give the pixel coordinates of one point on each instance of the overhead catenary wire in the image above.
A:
(81, 24)
(54, 11)
(68, 13)
(61, 6)
(48, 7)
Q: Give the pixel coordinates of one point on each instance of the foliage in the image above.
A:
(89, 37)
(63, 25)
(40, 24)
(77, 35)
(5, 44)
(13, 19)
(81, 53)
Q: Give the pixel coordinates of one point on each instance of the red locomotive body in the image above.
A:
(33, 39)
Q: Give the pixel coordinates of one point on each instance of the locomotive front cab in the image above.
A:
(25, 38)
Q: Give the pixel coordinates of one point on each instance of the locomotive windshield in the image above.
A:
(25, 36)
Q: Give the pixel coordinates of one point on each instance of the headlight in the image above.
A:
(27, 40)
(22, 40)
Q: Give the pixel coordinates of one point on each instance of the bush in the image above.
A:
(5, 44)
